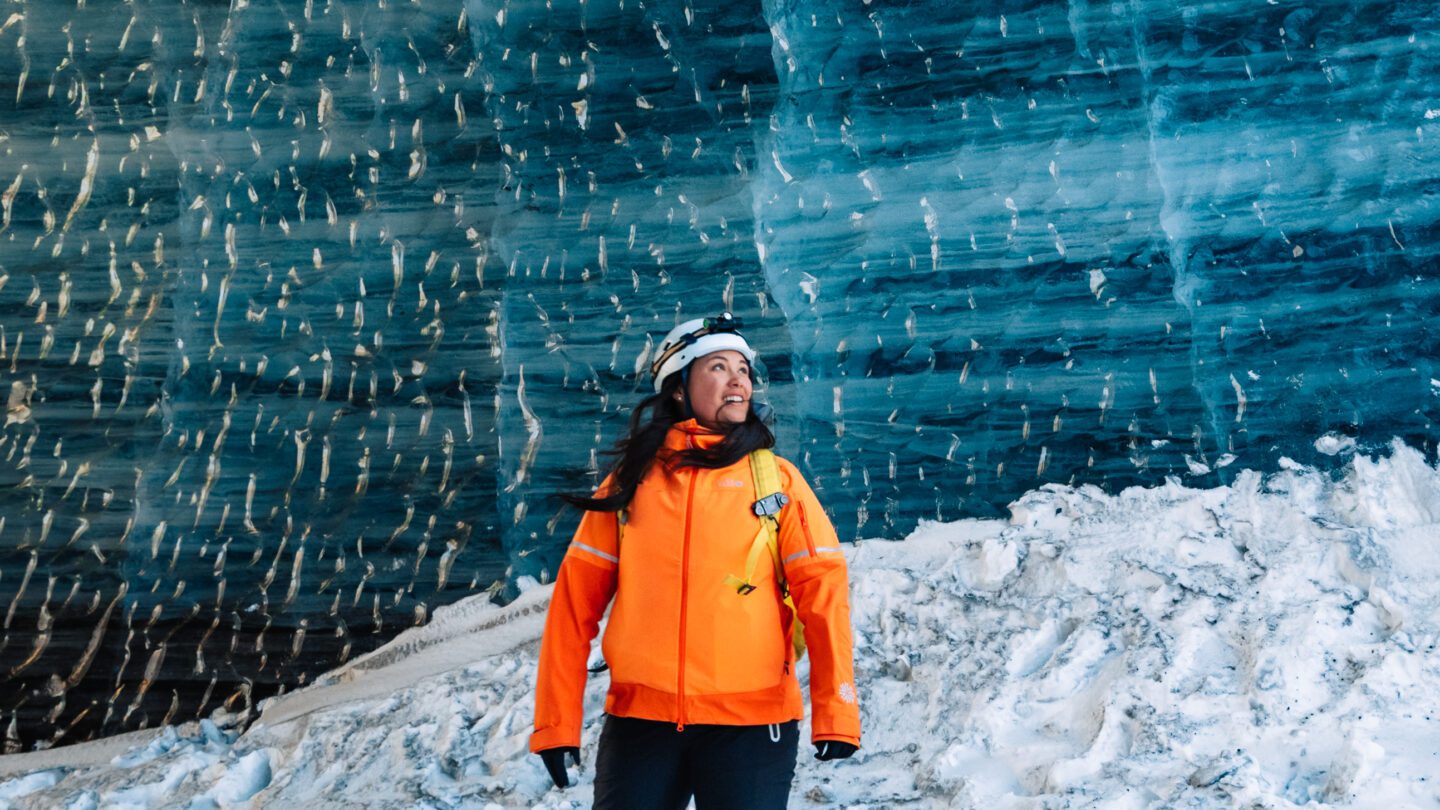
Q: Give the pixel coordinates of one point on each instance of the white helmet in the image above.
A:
(696, 338)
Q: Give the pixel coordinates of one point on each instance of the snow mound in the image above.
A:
(1269, 644)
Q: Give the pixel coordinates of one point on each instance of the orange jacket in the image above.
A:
(683, 647)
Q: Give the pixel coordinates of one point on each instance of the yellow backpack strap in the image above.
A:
(769, 501)
(767, 487)
(757, 547)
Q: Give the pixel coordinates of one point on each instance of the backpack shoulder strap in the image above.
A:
(769, 500)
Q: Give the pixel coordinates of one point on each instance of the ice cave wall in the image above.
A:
(308, 308)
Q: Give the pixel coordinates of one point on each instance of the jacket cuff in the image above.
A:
(553, 737)
(838, 726)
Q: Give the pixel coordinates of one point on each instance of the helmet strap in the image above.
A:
(685, 392)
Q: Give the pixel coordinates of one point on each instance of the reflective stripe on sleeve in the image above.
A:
(819, 550)
(597, 552)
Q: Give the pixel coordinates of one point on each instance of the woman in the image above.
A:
(703, 699)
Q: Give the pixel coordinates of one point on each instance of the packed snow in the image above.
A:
(1266, 644)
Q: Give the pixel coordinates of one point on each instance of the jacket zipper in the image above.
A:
(684, 605)
(805, 524)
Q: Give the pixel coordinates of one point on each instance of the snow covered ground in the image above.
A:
(1266, 644)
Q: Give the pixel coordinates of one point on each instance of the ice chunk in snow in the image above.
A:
(1333, 444)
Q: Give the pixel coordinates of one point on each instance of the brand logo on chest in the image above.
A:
(730, 483)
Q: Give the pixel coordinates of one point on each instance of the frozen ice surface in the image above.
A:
(1267, 643)
(307, 310)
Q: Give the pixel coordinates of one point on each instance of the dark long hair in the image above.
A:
(645, 443)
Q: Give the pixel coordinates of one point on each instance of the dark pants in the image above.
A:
(645, 764)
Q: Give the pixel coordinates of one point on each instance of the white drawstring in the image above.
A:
(775, 732)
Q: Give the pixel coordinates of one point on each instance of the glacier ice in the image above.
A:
(308, 308)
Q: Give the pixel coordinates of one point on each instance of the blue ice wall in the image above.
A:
(1103, 243)
(307, 309)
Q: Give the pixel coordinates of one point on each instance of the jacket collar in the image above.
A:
(690, 433)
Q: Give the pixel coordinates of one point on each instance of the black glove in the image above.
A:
(833, 749)
(554, 759)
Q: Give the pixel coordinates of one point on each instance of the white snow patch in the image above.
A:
(1271, 643)
(1333, 444)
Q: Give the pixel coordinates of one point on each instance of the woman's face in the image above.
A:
(720, 389)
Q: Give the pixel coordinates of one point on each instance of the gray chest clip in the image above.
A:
(770, 505)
